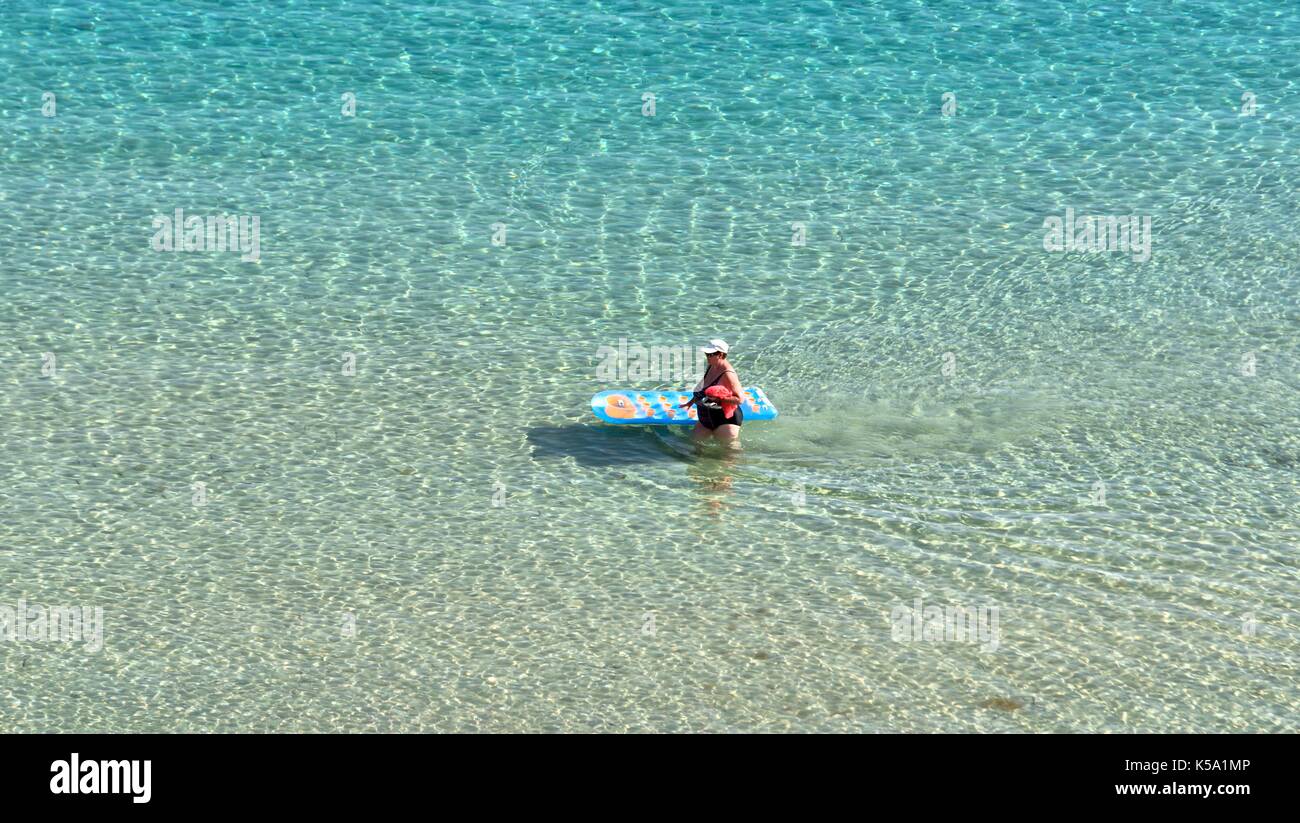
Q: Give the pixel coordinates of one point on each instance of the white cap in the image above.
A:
(715, 345)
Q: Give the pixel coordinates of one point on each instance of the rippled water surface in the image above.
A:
(1105, 451)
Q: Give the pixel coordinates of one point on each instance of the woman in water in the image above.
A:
(717, 419)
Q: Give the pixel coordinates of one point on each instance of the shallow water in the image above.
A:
(447, 540)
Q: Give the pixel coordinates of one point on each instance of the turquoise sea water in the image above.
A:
(446, 540)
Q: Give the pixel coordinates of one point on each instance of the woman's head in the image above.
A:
(715, 350)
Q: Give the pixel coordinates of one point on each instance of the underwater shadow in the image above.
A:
(599, 446)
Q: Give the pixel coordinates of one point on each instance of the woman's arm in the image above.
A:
(733, 383)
